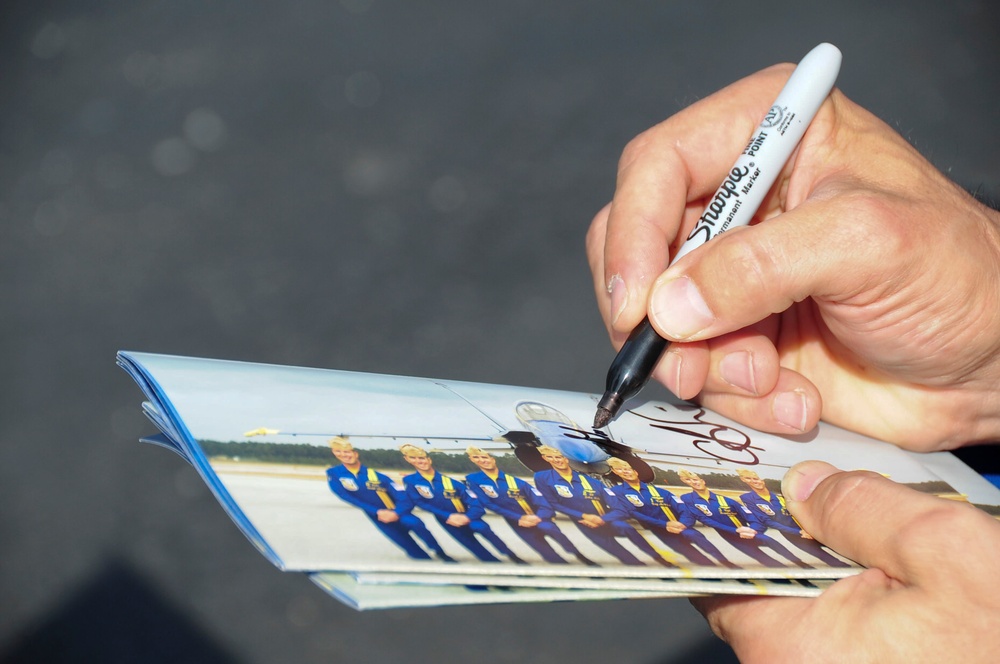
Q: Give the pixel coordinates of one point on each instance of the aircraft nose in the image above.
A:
(581, 450)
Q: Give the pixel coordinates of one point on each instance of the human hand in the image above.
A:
(529, 521)
(868, 296)
(458, 520)
(675, 527)
(592, 521)
(387, 516)
(931, 593)
(746, 532)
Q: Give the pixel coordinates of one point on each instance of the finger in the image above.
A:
(793, 406)
(613, 296)
(741, 620)
(742, 363)
(749, 273)
(878, 523)
(835, 617)
(603, 287)
(684, 368)
(665, 172)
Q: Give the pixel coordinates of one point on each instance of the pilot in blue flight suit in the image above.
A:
(375, 495)
(524, 508)
(456, 508)
(767, 510)
(584, 501)
(663, 514)
(730, 518)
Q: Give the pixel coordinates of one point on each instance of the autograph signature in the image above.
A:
(717, 440)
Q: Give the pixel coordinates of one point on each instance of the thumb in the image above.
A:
(874, 521)
(749, 273)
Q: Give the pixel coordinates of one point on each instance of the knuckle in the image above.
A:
(781, 70)
(870, 212)
(847, 493)
(718, 625)
(749, 268)
(595, 236)
(870, 227)
(634, 149)
(944, 527)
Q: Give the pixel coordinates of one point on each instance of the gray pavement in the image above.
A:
(375, 185)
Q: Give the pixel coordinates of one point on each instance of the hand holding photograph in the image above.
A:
(468, 484)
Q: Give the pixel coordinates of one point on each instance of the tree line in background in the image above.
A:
(383, 459)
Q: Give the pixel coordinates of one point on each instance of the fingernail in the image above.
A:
(679, 309)
(669, 371)
(619, 297)
(802, 479)
(789, 408)
(737, 370)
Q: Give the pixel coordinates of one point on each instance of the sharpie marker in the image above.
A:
(734, 204)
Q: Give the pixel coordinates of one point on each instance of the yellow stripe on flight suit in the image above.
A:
(383, 495)
(513, 491)
(450, 488)
(597, 503)
(732, 517)
(666, 510)
(665, 554)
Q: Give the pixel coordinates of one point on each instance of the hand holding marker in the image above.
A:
(734, 204)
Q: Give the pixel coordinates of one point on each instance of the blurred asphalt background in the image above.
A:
(375, 185)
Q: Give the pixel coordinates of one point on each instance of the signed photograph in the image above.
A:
(327, 470)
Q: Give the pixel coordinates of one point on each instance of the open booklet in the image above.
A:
(406, 481)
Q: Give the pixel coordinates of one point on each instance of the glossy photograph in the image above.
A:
(339, 471)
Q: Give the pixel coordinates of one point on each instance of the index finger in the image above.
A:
(665, 173)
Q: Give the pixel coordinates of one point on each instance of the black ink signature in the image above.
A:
(599, 438)
(717, 440)
(583, 434)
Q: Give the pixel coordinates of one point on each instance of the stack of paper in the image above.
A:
(396, 491)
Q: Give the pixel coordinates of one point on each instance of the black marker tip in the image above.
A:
(630, 370)
(607, 407)
(602, 417)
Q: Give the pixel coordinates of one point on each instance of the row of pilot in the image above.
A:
(604, 515)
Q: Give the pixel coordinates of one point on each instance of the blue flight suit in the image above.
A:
(362, 491)
(581, 495)
(434, 496)
(653, 508)
(725, 515)
(772, 513)
(513, 502)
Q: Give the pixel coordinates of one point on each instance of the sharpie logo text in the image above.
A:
(715, 214)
